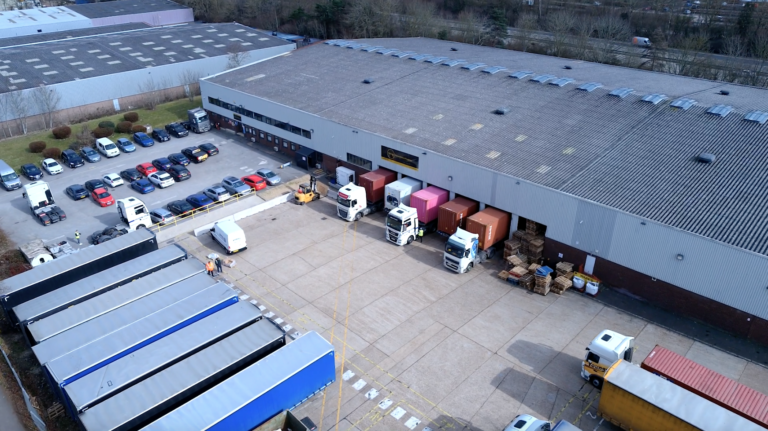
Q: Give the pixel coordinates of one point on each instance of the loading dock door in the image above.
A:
(306, 158)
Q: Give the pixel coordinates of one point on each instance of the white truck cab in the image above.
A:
(461, 251)
(605, 350)
(402, 225)
(229, 235)
(351, 203)
(133, 213)
(399, 192)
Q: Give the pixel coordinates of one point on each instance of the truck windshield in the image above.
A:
(10, 177)
(455, 249)
(344, 202)
(202, 119)
(394, 223)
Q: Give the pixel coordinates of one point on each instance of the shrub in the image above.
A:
(62, 132)
(77, 146)
(124, 127)
(107, 125)
(52, 153)
(36, 147)
(85, 136)
(131, 116)
(138, 128)
(101, 132)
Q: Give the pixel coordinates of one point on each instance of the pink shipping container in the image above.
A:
(708, 384)
(427, 202)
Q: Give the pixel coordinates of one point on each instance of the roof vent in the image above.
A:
(520, 74)
(420, 57)
(725, 92)
(757, 116)
(342, 43)
(494, 69)
(330, 42)
(621, 92)
(473, 66)
(454, 63)
(566, 67)
(454, 49)
(589, 86)
(606, 337)
(502, 111)
(372, 48)
(543, 78)
(402, 54)
(435, 60)
(561, 82)
(356, 45)
(683, 104)
(386, 51)
(707, 158)
(367, 81)
(654, 98)
(721, 110)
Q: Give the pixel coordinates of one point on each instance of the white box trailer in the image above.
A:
(399, 192)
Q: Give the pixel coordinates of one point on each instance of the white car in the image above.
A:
(52, 167)
(112, 180)
(161, 179)
(217, 193)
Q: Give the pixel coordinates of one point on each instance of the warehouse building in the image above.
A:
(655, 181)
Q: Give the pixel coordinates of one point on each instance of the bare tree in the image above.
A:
(19, 109)
(236, 55)
(609, 29)
(47, 100)
(85, 137)
(150, 93)
(419, 20)
(527, 23)
(757, 67)
(4, 115)
(687, 58)
(472, 28)
(190, 79)
(560, 25)
(584, 29)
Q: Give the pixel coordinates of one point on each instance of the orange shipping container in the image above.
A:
(453, 214)
(374, 182)
(491, 225)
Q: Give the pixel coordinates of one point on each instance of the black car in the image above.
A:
(195, 154)
(160, 135)
(209, 149)
(77, 192)
(71, 159)
(178, 159)
(179, 173)
(92, 185)
(162, 164)
(180, 208)
(31, 171)
(130, 175)
(176, 130)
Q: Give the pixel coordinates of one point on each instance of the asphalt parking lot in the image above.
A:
(236, 157)
(419, 347)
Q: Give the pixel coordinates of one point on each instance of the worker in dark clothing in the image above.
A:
(218, 264)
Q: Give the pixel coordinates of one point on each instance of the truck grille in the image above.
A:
(343, 214)
(450, 263)
(393, 237)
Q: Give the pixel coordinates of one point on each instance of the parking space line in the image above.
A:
(346, 325)
(163, 200)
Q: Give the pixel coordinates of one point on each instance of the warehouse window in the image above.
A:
(285, 143)
(269, 137)
(359, 161)
(258, 117)
(293, 146)
(261, 135)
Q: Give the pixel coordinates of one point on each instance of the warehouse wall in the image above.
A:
(709, 269)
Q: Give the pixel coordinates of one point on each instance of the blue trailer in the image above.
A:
(281, 381)
(157, 395)
(89, 287)
(68, 269)
(73, 316)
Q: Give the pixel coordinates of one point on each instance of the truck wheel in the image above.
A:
(358, 216)
(491, 252)
(469, 267)
(140, 226)
(410, 239)
(596, 381)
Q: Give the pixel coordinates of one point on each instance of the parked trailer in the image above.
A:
(79, 291)
(427, 202)
(127, 371)
(283, 421)
(78, 314)
(727, 393)
(399, 192)
(179, 383)
(453, 215)
(635, 399)
(60, 272)
(281, 381)
(117, 319)
(491, 225)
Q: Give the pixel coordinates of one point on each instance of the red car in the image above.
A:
(146, 169)
(254, 181)
(102, 197)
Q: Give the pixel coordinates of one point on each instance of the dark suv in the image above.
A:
(71, 159)
(176, 130)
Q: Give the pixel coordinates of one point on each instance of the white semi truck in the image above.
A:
(198, 121)
(134, 213)
(41, 203)
(604, 351)
(402, 225)
(462, 251)
(399, 193)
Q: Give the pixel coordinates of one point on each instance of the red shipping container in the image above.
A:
(491, 225)
(708, 384)
(453, 214)
(373, 182)
(427, 201)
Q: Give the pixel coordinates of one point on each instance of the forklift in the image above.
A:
(307, 192)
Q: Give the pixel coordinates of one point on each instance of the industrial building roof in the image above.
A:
(69, 34)
(624, 143)
(59, 15)
(123, 7)
(67, 59)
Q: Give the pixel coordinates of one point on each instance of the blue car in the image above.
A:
(125, 145)
(199, 200)
(143, 186)
(143, 139)
(162, 164)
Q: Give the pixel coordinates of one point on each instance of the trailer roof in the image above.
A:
(71, 262)
(220, 401)
(108, 323)
(142, 397)
(46, 328)
(131, 369)
(667, 396)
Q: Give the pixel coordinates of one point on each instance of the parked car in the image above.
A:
(107, 147)
(102, 197)
(161, 216)
(125, 145)
(71, 159)
(52, 167)
(92, 185)
(89, 154)
(179, 173)
(178, 159)
(195, 154)
(131, 175)
(217, 193)
(143, 186)
(271, 177)
(160, 135)
(161, 179)
(77, 192)
(146, 169)
(143, 139)
(112, 180)
(254, 181)
(176, 130)
(199, 200)
(31, 171)
(162, 164)
(180, 208)
(234, 186)
(209, 149)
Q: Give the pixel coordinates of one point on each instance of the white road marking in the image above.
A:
(166, 199)
(244, 167)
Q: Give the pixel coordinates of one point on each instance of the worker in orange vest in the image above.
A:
(209, 267)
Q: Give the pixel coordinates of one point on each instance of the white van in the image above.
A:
(107, 147)
(8, 177)
(229, 235)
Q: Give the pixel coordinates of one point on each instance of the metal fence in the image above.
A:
(32, 410)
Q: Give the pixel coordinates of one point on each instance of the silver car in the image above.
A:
(161, 216)
(271, 177)
(234, 186)
(217, 193)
